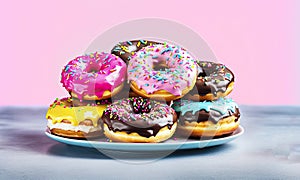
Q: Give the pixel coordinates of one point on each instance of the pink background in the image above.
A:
(256, 39)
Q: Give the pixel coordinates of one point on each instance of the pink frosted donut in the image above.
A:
(164, 72)
(95, 76)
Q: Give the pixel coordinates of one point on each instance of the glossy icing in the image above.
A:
(178, 69)
(63, 110)
(120, 116)
(93, 74)
(214, 110)
(213, 78)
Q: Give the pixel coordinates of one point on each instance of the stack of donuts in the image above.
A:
(144, 91)
(90, 80)
(205, 111)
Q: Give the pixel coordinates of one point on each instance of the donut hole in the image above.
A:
(93, 69)
(208, 71)
(202, 74)
(160, 65)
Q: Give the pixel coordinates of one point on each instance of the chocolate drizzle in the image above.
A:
(119, 116)
(213, 111)
(213, 78)
(125, 50)
(202, 116)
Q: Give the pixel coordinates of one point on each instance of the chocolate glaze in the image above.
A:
(214, 78)
(126, 49)
(119, 116)
(202, 116)
(213, 111)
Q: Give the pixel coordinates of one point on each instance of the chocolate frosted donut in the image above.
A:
(126, 49)
(208, 118)
(139, 120)
(214, 81)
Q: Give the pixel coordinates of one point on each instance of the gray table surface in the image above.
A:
(269, 149)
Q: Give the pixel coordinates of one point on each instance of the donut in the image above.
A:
(95, 76)
(139, 120)
(162, 72)
(125, 50)
(207, 118)
(126, 92)
(70, 121)
(77, 102)
(214, 81)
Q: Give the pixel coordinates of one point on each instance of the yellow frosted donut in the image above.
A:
(67, 120)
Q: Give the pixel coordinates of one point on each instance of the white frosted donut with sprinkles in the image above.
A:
(163, 72)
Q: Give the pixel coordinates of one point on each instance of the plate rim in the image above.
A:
(147, 146)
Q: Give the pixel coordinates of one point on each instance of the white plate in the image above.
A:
(171, 144)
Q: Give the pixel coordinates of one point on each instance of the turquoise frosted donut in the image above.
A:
(208, 118)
